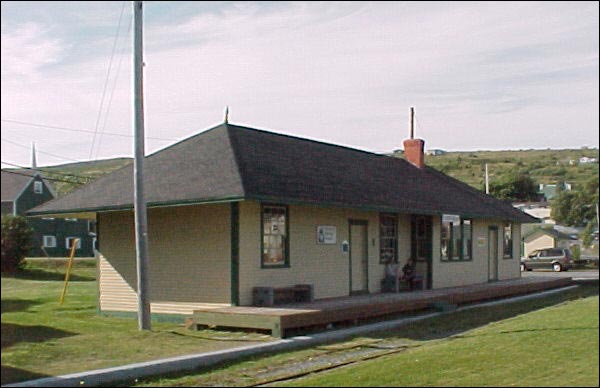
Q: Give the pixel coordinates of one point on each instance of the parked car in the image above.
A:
(556, 259)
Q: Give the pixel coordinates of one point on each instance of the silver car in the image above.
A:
(556, 259)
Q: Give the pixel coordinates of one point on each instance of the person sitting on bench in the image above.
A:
(409, 273)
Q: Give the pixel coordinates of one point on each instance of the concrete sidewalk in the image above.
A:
(132, 372)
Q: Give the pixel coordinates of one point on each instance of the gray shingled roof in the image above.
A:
(13, 182)
(231, 162)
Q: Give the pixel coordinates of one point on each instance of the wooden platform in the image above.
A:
(353, 308)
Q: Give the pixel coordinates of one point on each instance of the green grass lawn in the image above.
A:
(549, 341)
(556, 346)
(41, 338)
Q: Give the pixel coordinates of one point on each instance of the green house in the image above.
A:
(25, 189)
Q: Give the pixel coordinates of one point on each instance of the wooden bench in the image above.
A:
(270, 296)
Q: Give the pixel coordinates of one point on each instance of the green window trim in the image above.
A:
(507, 245)
(460, 245)
(388, 238)
(285, 246)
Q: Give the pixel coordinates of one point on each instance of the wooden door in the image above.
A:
(493, 254)
(359, 258)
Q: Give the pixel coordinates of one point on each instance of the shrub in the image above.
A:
(16, 242)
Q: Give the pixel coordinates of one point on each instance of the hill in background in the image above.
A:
(544, 166)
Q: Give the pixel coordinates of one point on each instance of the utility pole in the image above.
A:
(412, 122)
(141, 221)
(597, 217)
(487, 180)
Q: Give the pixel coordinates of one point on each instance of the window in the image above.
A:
(71, 219)
(456, 239)
(508, 242)
(447, 237)
(388, 238)
(38, 187)
(467, 239)
(49, 242)
(274, 236)
(69, 242)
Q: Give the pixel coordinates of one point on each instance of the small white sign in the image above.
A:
(455, 219)
(326, 234)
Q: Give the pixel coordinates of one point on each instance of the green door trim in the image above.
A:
(364, 223)
(493, 228)
(235, 253)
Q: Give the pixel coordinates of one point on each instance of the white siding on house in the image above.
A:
(538, 241)
(453, 274)
(189, 260)
(324, 266)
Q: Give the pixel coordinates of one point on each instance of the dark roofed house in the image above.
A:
(26, 189)
(235, 208)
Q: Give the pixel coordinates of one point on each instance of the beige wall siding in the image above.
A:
(542, 241)
(190, 258)
(510, 268)
(452, 274)
(324, 266)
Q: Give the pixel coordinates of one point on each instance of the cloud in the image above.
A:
(481, 75)
(26, 50)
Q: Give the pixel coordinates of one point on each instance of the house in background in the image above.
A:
(551, 191)
(25, 189)
(233, 209)
(435, 152)
(540, 210)
(540, 238)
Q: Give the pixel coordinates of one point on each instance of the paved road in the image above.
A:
(589, 274)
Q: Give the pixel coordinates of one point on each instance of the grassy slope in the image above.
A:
(544, 166)
(556, 346)
(41, 338)
(93, 169)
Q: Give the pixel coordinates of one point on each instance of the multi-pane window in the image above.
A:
(70, 240)
(456, 239)
(274, 236)
(447, 237)
(388, 238)
(508, 241)
(49, 241)
(38, 187)
(467, 239)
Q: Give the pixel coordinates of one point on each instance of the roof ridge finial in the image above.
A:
(227, 114)
(33, 156)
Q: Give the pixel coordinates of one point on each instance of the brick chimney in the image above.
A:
(414, 148)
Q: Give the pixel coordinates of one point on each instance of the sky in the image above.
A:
(481, 76)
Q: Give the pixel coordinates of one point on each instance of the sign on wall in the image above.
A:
(481, 242)
(326, 234)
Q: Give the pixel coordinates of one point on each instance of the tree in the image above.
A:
(577, 207)
(586, 235)
(515, 187)
(16, 242)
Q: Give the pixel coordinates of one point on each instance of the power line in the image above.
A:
(112, 93)
(112, 55)
(48, 179)
(77, 130)
(41, 152)
(40, 169)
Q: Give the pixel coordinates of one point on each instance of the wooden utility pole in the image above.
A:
(412, 122)
(141, 221)
(487, 180)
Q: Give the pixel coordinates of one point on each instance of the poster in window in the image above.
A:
(326, 234)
